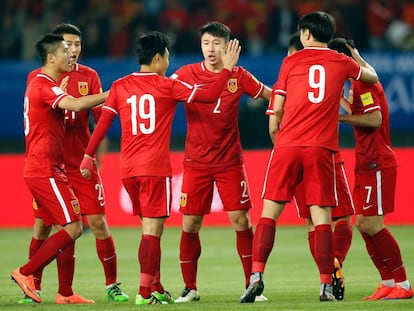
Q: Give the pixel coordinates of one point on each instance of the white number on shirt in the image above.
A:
(146, 112)
(26, 116)
(369, 191)
(217, 107)
(318, 85)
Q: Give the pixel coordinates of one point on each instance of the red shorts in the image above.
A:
(150, 195)
(198, 185)
(345, 204)
(90, 192)
(374, 191)
(54, 200)
(314, 166)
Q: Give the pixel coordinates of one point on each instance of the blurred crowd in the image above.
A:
(263, 26)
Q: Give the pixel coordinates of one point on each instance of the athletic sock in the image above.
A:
(324, 252)
(342, 239)
(107, 255)
(190, 251)
(244, 241)
(149, 253)
(375, 256)
(50, 249)
(34, 246)
(390, 254)
(66, 270)
(263, 242)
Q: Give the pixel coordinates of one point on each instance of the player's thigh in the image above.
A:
(319, 176)
(374, 192)
(57, 199)
(345, 203)
(196, 191)
(90, 192)
(233, 187)
(150, 195)
(284, 172)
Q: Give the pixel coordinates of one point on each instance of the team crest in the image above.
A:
(75, 206)
(83, 88)
(183, 199)
(232, 85)
(34, 205)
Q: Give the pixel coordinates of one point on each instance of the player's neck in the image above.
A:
(51, 72)
(214, 67)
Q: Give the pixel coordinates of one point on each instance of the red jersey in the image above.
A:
(83, 81)
(312, 80)
(213, 137)
(44, 128)
(145, 103)
(373, 145)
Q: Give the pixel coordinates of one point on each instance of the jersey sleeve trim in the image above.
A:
(110, 109)
(374, 108)
(58, 99)
(279, 92)
(259, 92)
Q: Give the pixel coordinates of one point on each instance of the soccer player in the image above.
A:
(80, 81)
(305, 101)
(375, 181)
(44, 173)
(145, 102)
(213, 155)
(340, 215)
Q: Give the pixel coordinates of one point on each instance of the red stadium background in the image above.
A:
(15, 208)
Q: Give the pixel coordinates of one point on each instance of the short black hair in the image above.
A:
(340, 45)
(294, 42)
(216, 29)
(320, 24)
(48, 44)
(149, 44)
(67, 28)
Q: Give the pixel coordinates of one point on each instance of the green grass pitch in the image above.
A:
(291, 277)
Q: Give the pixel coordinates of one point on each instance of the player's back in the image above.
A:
(312, 81)
(145, 103)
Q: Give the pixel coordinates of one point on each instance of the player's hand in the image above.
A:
(231, 57)
(64, 84)
(87, 165)
(355, 55)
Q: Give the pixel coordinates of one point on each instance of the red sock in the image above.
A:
(107, 255)
(342, 239)
(156, 284)
(383, 270)
(149, 254)
(263, 241)
(390, 254)
(33, 248)
(324, 252)
(311, 241)
(244, 248)
(66, 270)
(50, 249)
(190, 251)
